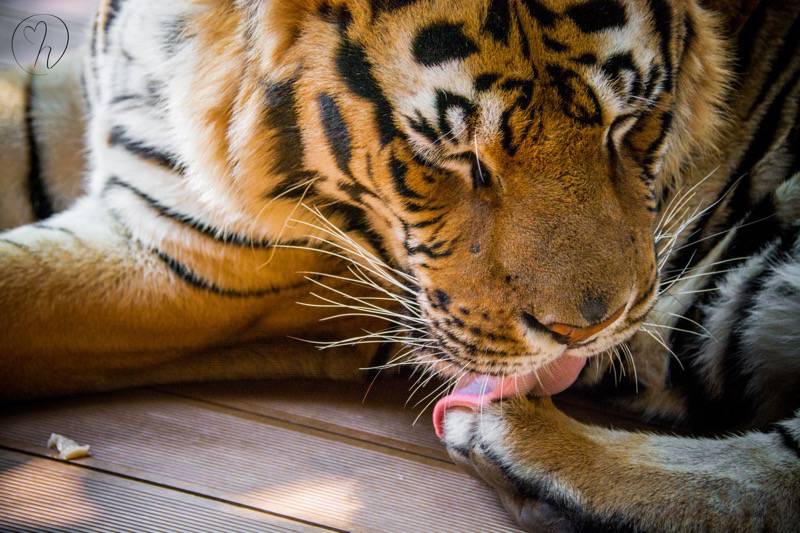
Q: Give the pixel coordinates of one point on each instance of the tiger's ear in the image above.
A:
(703, 61)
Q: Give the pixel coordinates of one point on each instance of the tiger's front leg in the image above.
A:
(84, 307)
(556, 474)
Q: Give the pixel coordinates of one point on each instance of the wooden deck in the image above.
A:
(264, 456)
(282, 456)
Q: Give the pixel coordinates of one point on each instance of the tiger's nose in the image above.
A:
(569, 334)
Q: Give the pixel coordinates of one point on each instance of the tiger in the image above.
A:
(515, 196)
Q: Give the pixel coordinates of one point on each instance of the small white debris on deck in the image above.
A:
(67, 448)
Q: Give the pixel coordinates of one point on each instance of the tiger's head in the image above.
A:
(510, 156)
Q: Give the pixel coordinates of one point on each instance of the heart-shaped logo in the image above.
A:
(37, 34)
(39, 43)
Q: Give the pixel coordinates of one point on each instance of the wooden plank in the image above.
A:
(380, 416)
(377, 413)
(39, 494)
(285, 469)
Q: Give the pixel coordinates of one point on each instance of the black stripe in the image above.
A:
(613, 66)
(430, 250)
(187, 275)
(93, 44)
(793, 139)
(40, 202)
(787, 439)
(484, 82)
(421, 126)
(574, 91)
(653, 78)
(780, 62)
(399, 172)
(355, 191)
(498, 20)
(175, 33)
(598, 15)
(554, 45)
(540, 13)
(202, 227)
(442, 42)
(525, 86)
(93, 63)
(429, 222)
(442, 333)
(379, 6)
(15, 244)
(280, 115)
(111, 14)
(119, 137)
(416, 208)
(480, 173)
(55, 228)
(760, 226)
(339, 15)
(507, 134)
(585, 59)
(295, 185)
(356, 221)
(336, 132)
(524, 38)
(748, 36)
(662, 14)
(85, 96)
(356, 70)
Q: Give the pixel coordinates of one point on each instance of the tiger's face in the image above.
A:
(508, 155)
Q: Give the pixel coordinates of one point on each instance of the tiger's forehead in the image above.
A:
(507, 35)
(440, 61)
(417, 46)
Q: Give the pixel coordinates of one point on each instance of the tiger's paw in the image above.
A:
(482, 442)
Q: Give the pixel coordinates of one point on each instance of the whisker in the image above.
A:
(671, 328)
(629, 355)
(698, 324)
(662, 343)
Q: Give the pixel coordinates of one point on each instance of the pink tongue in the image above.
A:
(475, 391)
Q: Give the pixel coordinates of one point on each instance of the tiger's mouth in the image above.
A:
(480, 387)
(473, 391)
